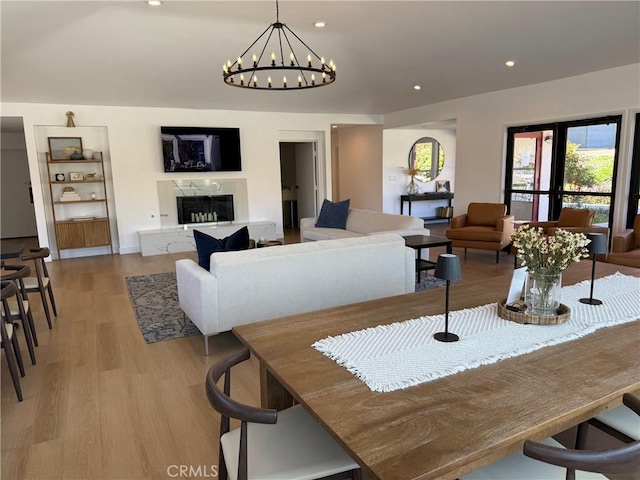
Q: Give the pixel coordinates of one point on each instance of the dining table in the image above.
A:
(447, 427)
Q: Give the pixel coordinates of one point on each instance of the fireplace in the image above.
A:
(205, 209)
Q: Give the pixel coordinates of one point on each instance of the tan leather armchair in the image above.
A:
(626, 247)
(485, 226)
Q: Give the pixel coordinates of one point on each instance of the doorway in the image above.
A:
(299, 181)
(567, 164)
(16, 196)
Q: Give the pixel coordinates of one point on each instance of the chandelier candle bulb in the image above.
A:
(299, 81)
(313, 79)
(255, 60)
(309, 60)
(241, 79)
(284, 82)
(269, 81)
(273, 59)
(293, 59)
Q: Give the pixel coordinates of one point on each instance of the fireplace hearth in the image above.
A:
(205, 209)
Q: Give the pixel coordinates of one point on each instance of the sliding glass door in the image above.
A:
(568, 164)
(634, 187)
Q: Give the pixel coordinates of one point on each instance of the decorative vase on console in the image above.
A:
(546, 257)
(412, 188)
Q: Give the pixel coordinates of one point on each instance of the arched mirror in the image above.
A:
(427, 156)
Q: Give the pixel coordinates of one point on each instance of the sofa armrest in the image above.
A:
(623, 242)
(198, 295)
(546, 226)
(505, 225)
(305, 223)
(459, 221)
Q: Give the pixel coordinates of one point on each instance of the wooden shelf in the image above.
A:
(80, 233)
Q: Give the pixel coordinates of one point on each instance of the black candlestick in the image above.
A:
(597, 246)
(447, 268)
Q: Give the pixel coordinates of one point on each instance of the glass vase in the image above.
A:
(542, 294)
(412, 187)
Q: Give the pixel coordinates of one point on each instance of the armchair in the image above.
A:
(626, 247)
(485, 226)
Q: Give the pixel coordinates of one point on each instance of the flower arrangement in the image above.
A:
(412, 171)
(545, 257)
(548, 254)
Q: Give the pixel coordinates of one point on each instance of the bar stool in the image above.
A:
(19, 308)
(9, 340)
(41, 281)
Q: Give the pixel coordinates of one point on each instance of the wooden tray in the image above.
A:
(524, 317)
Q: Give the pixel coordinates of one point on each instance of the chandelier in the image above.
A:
(274, 73)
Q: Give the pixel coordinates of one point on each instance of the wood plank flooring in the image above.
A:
(103, 404)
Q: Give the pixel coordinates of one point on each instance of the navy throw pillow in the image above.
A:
(206, 245)
(333, 214)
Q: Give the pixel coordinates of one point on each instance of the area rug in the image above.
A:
(155, 303)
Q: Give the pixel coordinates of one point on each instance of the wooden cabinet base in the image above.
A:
(83, 234)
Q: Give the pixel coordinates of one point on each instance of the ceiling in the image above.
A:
(131, 54)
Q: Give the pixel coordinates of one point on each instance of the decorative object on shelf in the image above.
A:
(87, 154)
(447, 268)
(70, 122)
(427, 156)
(443, 186)
(64, 148)
(412, 187)
(97, 155)
(76, 176)
(69, 195)
(60, 177)
(546, 257)
(302, 74)
(93, 195)
(598, 246)
(91, 176)
(76, 156)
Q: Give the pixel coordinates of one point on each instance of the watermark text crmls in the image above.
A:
(192, 471)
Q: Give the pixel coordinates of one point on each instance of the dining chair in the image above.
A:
(621, 423)
(9, 340)
(269, 444)
(549, 460)
(19, 308)
(41, 281)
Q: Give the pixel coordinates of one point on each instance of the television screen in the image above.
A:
(200, 149)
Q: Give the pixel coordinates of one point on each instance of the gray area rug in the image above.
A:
(155, 303)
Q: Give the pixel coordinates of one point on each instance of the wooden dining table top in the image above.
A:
(450, 426)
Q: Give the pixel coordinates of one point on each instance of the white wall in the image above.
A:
(482, 121)
(397, 145)
(136, 159)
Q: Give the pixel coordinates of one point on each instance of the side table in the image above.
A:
(268, 243)
(418, 242)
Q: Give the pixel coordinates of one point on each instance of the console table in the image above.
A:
(425, 197)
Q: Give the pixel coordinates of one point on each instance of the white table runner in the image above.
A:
(403, 354)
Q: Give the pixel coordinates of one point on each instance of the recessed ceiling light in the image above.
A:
(320, 24)
(510, 63)
(154, 3)
(417, 87)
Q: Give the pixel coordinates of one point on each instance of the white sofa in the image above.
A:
(263, 283)
(361, 223)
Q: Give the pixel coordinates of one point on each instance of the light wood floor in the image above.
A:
(103, 404)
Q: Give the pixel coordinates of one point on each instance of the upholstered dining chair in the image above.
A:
(10, 343)
(41, 282)
(269, 444)
(485, 226)
(549, 460)
(19, 308)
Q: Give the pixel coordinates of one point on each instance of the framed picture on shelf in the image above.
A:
(60, 177)
(76, 176)
(443, 186)
(65, 148)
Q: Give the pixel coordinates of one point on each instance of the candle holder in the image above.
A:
(598, 246)
(447, 268)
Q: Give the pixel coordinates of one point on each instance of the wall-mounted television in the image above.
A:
(201, 149)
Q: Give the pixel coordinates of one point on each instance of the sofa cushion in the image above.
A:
(477, 233)
(206, 244)
(316, 234)
(333, 214)
(367, 221)
(485, 213)
(575, 217)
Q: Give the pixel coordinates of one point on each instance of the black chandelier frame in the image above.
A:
(236, 76)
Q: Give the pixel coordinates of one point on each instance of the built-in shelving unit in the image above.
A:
(83, 221)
